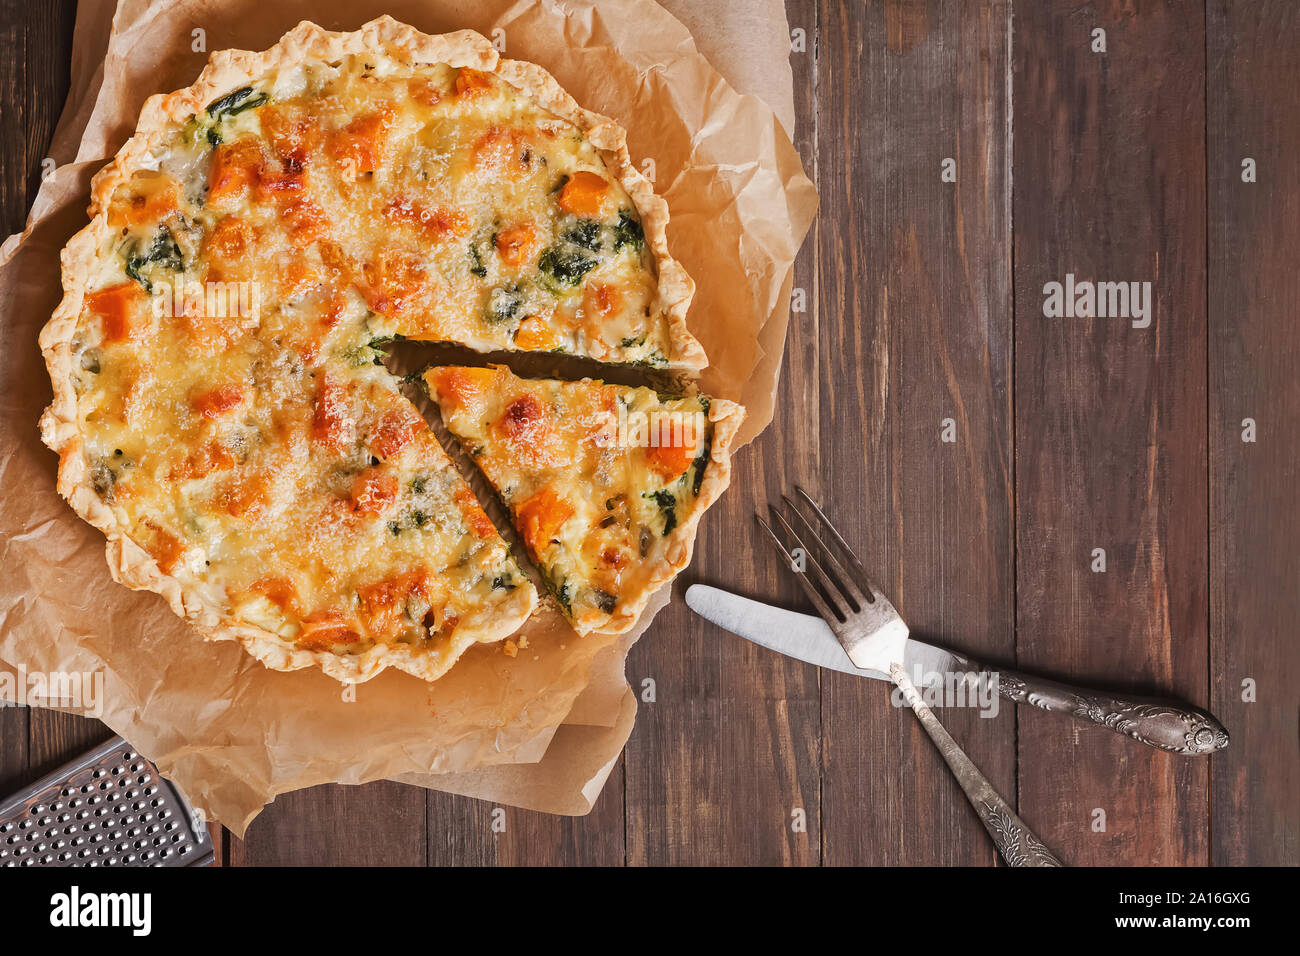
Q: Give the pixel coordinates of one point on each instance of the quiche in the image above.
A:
(605, 483)
(221, 411)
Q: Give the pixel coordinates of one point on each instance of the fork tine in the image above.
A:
(847, 584)
(874, 592)
(834, 596)
(813, 594)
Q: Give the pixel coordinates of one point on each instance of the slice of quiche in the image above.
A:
(605, 483)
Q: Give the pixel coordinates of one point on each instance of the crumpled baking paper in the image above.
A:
(541, 730)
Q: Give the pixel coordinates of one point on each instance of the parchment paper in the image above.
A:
(541, 730)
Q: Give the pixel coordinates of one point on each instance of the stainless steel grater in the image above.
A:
(108, 807)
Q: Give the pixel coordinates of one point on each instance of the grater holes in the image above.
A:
(110, 813)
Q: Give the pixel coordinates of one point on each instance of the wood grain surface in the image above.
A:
(922, 320)
(1109, 185)
(1253, 108)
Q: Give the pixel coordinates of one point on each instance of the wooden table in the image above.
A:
(924, 322)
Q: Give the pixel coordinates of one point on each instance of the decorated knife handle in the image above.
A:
(1014, 840)
(1163, 724)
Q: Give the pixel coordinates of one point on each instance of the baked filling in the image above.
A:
(221, 410)
(605, 483)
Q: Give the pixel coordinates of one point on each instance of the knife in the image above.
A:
(1166, 725)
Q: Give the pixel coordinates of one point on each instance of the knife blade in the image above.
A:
(1168, 725)
(807, 637)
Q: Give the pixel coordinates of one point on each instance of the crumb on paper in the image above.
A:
(510, 648)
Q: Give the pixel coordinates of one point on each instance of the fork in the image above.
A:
(873, 634)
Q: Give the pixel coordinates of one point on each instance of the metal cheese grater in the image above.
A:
(108, 807)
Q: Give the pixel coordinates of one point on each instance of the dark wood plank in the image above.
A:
(376, 824)
(462, 833)
(1109, 184)
(36, 48)
(1254, 231)
(719, 763)
(13, 749)
(54, 738)
(915, 300)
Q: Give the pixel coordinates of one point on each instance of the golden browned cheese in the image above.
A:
(434, 203)
(603, 481)
(232, 409)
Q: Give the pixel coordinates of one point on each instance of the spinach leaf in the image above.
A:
(667, 506)
(162, 250)
(565, 266)
(504, 303)
(476, 257)
(236, 102)
(701, 462)
(628, 232)
(584, 233)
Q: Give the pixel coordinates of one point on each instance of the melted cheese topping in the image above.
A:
(442, 204)
(598, 478)
(233, 411)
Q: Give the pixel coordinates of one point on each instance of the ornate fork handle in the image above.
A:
(1163, 724)
(1015, 841)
